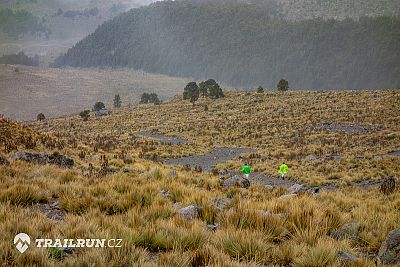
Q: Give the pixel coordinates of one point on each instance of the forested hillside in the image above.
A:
(242, 46)
(338, 9)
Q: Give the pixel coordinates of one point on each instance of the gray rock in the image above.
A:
(4, 161)
(220, 203)
(52, 210)
(280, 110)
(389, 252)
(311, 158)
(269, 187)
(347, 231)
(288, 196)
(295, 188)
(332, 157)
(172, 172)
(43, 158)
(236, 180)
(346, 257)
(165, 193)
(265, 213)
(212, 227)
(190, 212)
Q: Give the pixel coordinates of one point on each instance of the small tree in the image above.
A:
(150, 98)
(98, 106)
(41, 117)
(85, 115)
(117, 101)
(203, 88)
(191, 92)
(260, 90)
(283, 85)
(211, 88)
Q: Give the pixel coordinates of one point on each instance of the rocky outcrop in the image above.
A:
(236, 180)
(346, 257)
(389, 252)
(43, 158)
(190, 212)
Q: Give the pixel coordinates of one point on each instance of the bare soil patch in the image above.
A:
(346, 128)
(208, 160)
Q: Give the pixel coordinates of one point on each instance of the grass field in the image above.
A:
(253, 228)
(58, 92)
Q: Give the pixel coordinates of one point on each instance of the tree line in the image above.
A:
(21, 22)
(243, 46)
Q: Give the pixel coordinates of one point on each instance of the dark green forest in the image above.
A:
(242, 45)
(20, 59)
(21, 22)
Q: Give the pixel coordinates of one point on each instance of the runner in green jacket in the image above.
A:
(246, 170)
(283, 169)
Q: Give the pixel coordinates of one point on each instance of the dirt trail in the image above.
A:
(223, 154)
(208, 160)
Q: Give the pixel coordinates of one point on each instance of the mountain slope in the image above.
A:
(241, 45)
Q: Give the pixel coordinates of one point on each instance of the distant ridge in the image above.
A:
(244, 45)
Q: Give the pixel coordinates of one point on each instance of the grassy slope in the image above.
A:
(57, 92)
(129, 205)
(253, 120)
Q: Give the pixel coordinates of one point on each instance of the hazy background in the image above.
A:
(111, 44)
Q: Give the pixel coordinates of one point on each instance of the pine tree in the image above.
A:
(283, 85)
(117, 101)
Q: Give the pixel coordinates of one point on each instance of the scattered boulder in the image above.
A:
(190, 212)
(172, 172)
(295, 188)
(347, 231)
(212, 227)
(52, 210)
(280, 110)
(220, 203)
(265, 214)
(43, 158)
(288, 196)
(332, 157)
(311, 158)
(389, 252)
(236, 180)
(165, 193)
(346, 257)
(4, 161)
(269, 187)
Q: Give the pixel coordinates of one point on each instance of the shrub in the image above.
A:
(41, 117)
(283, 85)
(98, 105)
(85, 115)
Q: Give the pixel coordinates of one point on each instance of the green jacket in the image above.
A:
(283, 169)
(246, 169)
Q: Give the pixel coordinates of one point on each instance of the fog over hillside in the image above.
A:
(243, 45)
